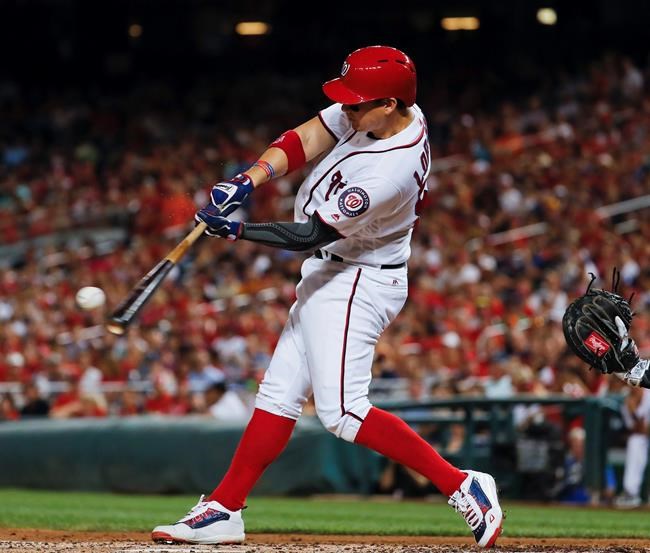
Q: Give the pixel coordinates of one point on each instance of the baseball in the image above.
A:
(90, 297)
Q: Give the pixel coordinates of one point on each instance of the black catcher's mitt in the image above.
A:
(596, 328)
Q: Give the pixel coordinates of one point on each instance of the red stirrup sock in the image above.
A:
(264, 439)
(393, 438)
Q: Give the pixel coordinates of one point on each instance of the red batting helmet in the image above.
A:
(372, 73)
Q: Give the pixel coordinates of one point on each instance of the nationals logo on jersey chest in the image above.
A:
(354, 201)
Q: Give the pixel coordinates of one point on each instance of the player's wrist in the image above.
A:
(235, 228)
(639, 375)
(243, 181)
(262, 171)
(257, 176)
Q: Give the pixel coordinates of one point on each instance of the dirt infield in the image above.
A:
(48, 541)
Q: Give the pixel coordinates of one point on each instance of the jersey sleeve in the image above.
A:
(335, 121)
(359, 204)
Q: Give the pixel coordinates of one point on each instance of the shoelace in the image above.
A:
(461, 505)
(195, 508)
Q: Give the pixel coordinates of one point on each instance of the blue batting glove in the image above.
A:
(218, 225)
(227, 196)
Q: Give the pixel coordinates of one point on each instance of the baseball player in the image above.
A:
(636, 415)
(355, 211)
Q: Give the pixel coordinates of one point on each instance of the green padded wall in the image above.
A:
(170, 455)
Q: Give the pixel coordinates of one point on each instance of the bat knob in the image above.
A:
(115, 328)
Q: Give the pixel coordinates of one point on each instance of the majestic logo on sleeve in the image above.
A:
(354, 201)
(345, 68)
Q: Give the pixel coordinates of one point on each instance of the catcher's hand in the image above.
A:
(596, 327)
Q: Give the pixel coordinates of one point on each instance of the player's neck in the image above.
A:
(395, 124)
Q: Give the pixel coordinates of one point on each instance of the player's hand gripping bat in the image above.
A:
(126, 311)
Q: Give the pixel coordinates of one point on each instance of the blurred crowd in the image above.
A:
(96, 188)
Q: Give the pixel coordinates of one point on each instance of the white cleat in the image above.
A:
(477, 501)
(627, 501)
(208, 522)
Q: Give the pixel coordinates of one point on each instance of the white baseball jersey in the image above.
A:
(368, 189)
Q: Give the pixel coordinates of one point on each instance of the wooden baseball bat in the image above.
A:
(125, 312)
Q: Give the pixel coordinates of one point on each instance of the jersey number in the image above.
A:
(421, 179)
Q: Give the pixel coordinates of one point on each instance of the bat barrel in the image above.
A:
(126, 311)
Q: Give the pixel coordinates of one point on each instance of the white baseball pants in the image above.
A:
(328, 343)
(636, 458)
(636, 454)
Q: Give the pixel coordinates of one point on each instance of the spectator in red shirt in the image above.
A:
(8, 411)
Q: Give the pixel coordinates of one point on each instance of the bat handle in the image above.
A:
(184, 245)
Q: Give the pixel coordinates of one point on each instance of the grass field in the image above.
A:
(110, 512)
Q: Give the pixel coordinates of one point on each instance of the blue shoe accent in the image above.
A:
(477, 492)
(205, 518)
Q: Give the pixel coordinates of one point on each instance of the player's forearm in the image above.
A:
(290, 151)
(272, 163)
(290, 236)
(284, 155)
